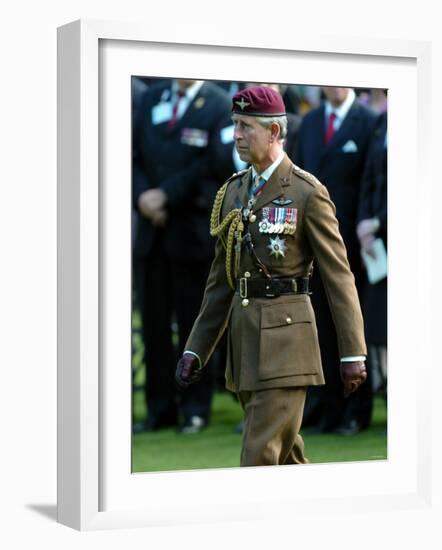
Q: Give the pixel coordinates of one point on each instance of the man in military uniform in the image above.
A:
(271, 221)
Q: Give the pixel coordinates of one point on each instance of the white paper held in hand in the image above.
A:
(377, 265)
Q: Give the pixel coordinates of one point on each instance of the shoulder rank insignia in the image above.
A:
(306, 176)
(237, 175)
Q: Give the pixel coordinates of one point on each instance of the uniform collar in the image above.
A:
(275, 187)
(269, 171)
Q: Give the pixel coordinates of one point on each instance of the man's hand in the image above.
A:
(367, 243)
(159, 218)
(353, 374)
(188, 370)
(366, 230)
(152, 202)
(367, 227)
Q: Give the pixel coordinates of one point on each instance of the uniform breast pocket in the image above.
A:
(288, 341)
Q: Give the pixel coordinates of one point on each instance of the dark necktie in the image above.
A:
(330, 130)
(172, 121)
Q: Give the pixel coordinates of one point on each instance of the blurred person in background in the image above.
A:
(291, 100)
(310, 98)
(374, 98)
(175, 178)
(372, 226)
(333, 142)
(271, 221)
(291, 96)
(229, 86)
(139, 87)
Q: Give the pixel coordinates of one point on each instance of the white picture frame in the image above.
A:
(95, 488)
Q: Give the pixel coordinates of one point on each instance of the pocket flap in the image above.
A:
(283, 314)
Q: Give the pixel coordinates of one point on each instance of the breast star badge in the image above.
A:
(277, 247)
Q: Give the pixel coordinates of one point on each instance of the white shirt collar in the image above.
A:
(269, 171)
(190, 92)
(189, 95)
(342, 110)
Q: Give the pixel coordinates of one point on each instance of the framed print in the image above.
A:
(97, 487)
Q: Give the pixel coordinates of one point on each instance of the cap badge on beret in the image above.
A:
(242, 104)
(258, 101)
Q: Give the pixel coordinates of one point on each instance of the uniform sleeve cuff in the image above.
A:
(353, 358)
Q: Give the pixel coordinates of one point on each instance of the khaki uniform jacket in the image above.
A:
(273, 342)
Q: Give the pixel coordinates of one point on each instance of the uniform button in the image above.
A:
(245, 302)
(289, 320)
(252, 218)
(247, 274)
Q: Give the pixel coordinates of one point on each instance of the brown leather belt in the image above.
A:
(271, 288)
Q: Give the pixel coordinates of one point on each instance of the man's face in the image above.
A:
(184, 84)
(336, 96)
(252, 141)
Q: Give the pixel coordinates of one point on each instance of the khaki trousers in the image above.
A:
(272, 420)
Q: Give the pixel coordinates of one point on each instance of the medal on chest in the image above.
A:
(278, 220)
(277, 247)
(247, 212)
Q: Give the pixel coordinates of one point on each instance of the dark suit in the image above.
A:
(373, 203)
(291, 140)
(139, 88)
(339, 166)
(171, 263)
(292, 98)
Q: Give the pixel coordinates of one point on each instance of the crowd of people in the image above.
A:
(183, 152)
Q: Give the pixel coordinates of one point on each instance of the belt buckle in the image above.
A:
(295, 285)
(272, 289)
(243, 287)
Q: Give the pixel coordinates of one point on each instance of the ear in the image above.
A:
(275, 132)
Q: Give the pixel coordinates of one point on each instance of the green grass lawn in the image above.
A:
(219, 447)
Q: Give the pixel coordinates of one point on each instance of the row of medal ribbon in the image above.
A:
(278, 220)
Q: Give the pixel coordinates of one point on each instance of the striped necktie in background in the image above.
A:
(172, 121)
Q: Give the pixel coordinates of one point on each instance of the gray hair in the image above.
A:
(282, 122)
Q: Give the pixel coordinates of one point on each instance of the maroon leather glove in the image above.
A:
(353, 374)
(188, 370)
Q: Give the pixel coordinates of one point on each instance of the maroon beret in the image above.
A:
(258, 101)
